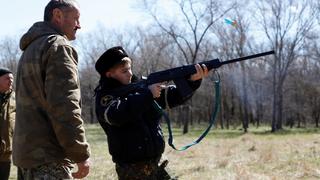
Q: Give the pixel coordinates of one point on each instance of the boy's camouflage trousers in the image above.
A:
(52, 171)
(149, 170)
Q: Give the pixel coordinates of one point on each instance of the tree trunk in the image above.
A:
(316, 116)
(185, 119)
(280, 107)
(245, 118)
(259, 112)
(233, 107)
(299, 120)
(274, 107)
(221, 115)
(92, 114)
(225, 110)
(92, 106)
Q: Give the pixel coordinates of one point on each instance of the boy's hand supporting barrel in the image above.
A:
(202, 72)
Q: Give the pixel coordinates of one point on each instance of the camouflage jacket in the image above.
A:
(49, 127)
(7, 118)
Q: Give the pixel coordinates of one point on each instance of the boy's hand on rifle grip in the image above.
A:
(156, 89)
(202, 72)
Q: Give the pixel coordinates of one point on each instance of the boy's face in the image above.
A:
(122, 73)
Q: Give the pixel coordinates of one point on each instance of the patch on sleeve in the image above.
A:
(105, 100)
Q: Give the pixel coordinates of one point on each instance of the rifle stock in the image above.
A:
(179, 74)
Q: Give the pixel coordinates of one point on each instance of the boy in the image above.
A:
(130, 121)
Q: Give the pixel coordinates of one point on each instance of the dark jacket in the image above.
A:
(131, 121)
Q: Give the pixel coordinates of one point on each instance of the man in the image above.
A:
(49, 134)
(7, 117)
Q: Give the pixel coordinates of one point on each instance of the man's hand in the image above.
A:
(83, 169)
(202, 71)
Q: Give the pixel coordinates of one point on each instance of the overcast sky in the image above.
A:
(16, 16)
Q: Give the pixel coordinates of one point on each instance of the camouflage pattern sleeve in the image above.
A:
(62, 89)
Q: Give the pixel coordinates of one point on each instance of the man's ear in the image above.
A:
(57, 15)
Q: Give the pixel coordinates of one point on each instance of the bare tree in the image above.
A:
(236, 40)
(286, 24)
(153, 52)
(312, 54)
(190, 27)
(9, 53)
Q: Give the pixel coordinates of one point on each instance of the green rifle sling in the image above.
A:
(211, 123)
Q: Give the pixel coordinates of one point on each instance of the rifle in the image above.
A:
(178, 75)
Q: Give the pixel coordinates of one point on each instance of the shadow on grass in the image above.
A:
(237, 132)
(215, 133)
(289, 131)
(95, 132)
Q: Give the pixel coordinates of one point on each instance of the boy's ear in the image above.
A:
(108, 74)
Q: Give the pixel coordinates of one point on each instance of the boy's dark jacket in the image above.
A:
(131, 122)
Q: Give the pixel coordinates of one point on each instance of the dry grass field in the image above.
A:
(227, 155)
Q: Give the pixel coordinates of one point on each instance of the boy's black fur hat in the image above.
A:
(110, 58)
(4, 71)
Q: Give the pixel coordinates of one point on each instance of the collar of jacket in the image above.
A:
(111, 83)
(4, 97)
(37, 30)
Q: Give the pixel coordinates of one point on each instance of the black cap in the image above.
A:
(110, 58)
(4, 71)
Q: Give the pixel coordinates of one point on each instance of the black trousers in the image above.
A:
(5, 170)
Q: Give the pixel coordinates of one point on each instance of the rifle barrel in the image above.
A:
(247, 57)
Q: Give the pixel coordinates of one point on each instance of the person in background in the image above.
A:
(7, 118)
(49, 134)
(130, 120)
